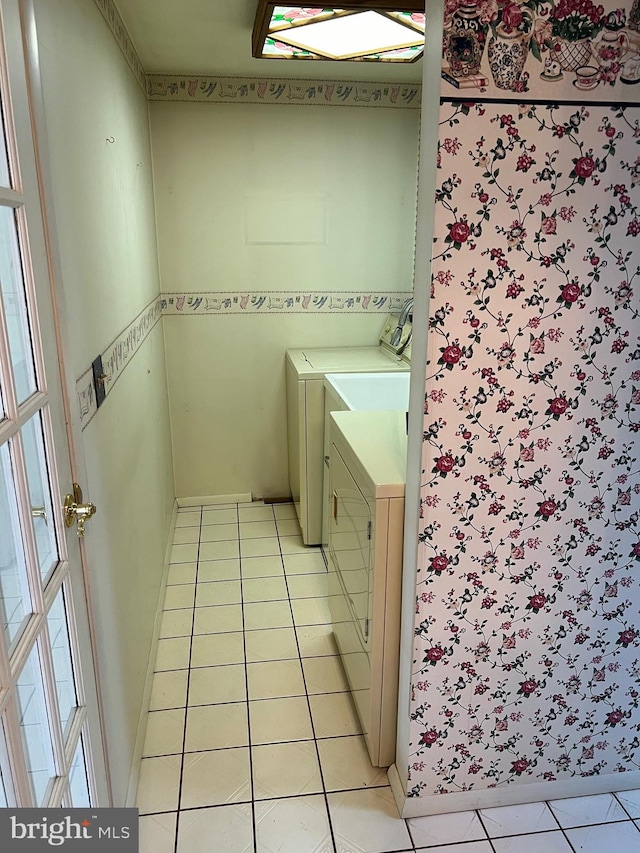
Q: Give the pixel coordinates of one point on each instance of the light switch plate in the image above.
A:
(98, 382)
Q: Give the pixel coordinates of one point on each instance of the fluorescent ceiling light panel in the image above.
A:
(372, 31)
(352, 35)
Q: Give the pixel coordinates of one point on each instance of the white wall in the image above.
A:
(104, 210)
(337, 187)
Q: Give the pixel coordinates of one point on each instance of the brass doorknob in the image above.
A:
(77, 511)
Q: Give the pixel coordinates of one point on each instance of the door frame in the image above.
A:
(21, 14)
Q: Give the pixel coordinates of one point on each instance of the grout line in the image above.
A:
(560, 827)
(616, 796)
(267, 743)
(184, 733)
(313, 728)
(484, 829)
(246, 687)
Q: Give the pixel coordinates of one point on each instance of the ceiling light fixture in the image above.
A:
(373, 31)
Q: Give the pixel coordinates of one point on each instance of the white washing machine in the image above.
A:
(306, 369)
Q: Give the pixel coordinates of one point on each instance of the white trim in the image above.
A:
(511, 795)
(134, 776)
(214, 500)
(425, 216)
(71, 449)
(397, 788)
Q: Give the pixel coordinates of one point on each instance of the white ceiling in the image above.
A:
(213, 37)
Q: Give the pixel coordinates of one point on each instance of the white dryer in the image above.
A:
(306, 369)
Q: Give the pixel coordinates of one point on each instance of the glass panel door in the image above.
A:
(15, 598)
(49, 732)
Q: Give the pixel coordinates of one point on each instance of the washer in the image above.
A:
(305, 372)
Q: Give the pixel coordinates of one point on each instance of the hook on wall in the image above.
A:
(111, 139)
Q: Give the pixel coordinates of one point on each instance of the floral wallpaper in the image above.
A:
(527, 631)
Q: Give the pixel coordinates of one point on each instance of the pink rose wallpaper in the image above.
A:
(527, 632)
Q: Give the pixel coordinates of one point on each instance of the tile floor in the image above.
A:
(253, 744)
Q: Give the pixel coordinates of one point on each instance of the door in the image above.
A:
(51, 749)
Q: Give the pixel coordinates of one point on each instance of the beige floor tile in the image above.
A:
(288, 527)
(579, 811)
(159, 784)
(218, 570)
(216, 778)
(227, 515)
(173, 653)
(334, 715)
(517, 819)
(169, 690)
(346, 764)
(285, 510)
(184, 553)
(274, 679)
(267, 614)
(308, 586)
(181, 573)
(619, 837)
(157, 833)
(324, 675)
(179, 597)
(310, 611)
(165, 732)
(273, 644)
(257, 529)
(295, 545)
(285, 770)
(368, 822)
(214, 685)
(217, 727)
(304, 564)
(223, 828)
(278, 720)
(630, 800)
(264, 589)
(218, 592)
(225, 550)
(217, 649)
(176, 623)
(262, 567)
(446, 828)
(217, 619)
(186, 536)
(316, 641)
(188, 518)
(219, 533)
(255, 513)
(293, 825)
(267, 547)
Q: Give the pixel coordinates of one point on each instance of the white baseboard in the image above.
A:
(397, 788)
(134, 776)
(510, 795)
(214, 500)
